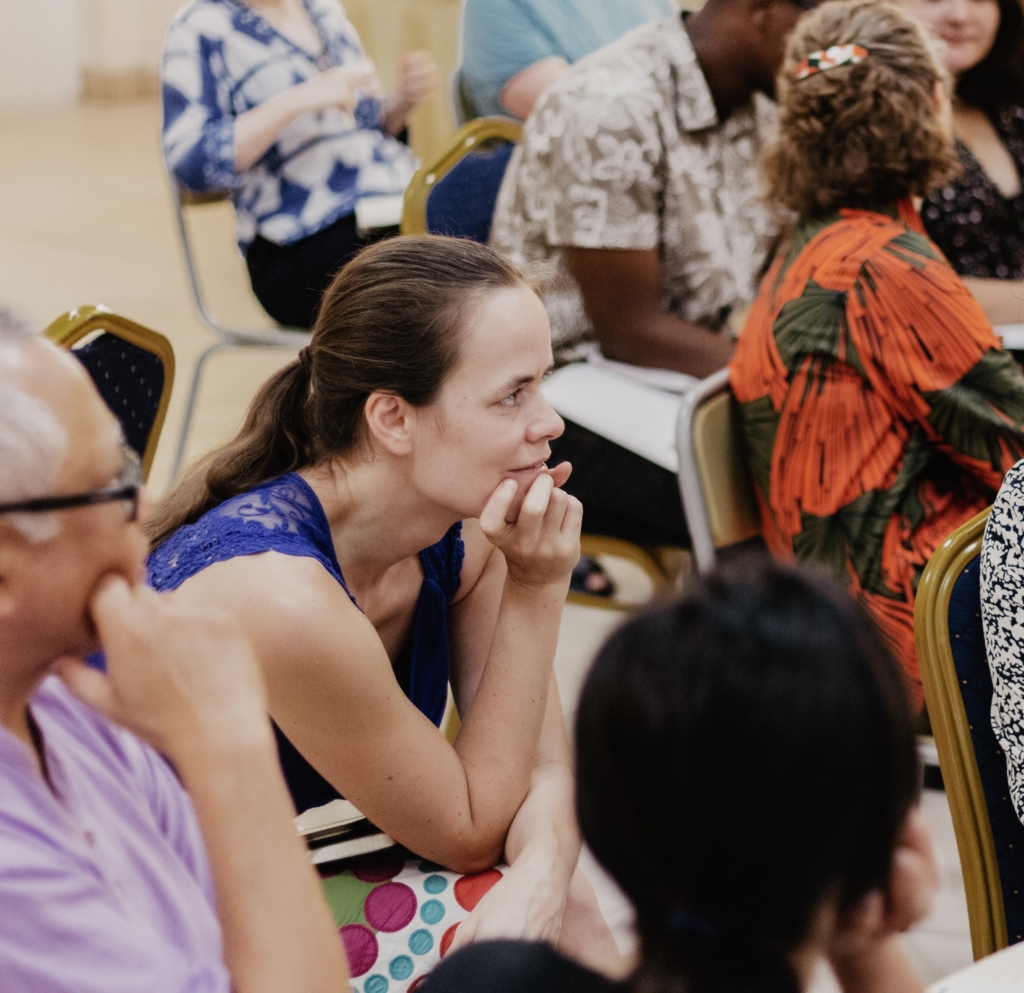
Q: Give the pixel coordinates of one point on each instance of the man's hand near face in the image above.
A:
(187, 682)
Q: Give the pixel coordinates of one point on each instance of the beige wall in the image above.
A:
(50, 49)
(121, 42)
(39, 52)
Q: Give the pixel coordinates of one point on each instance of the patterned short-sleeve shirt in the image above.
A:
(626, 151)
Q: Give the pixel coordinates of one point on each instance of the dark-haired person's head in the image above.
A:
(754, 33)
(867, 133)
(427, 351)
(745, 767)
(984, 48)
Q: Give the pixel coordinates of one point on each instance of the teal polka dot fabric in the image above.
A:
(397, 915)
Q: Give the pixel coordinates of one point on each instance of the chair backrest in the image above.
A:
(714, 474)
(958, 688)
(132, 367)
(455, 194)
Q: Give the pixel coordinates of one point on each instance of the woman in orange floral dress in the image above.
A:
(879, 409)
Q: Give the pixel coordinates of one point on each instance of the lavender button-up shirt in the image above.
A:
(104, 883)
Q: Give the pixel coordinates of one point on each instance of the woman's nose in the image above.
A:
(546, 425)
(958, 10)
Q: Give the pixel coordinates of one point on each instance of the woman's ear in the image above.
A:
(391, 421)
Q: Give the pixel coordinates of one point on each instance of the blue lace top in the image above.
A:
(285, 515)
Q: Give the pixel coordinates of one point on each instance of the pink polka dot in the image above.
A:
(360, 947)
(378, 867)
(390, 907)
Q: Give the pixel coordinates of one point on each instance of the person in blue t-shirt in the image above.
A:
(513, 50)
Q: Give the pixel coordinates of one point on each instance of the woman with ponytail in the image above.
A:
(747, 772)
(385, 523)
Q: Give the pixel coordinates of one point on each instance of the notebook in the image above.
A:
(337, 830)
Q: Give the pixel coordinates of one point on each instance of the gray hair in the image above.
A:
(33, 442)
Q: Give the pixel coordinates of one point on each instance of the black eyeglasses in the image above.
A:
(124, 490)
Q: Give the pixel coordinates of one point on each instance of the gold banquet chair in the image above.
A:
(132, 367)
(714, 475)
(185, 203)
(455, 195)
(958, 689)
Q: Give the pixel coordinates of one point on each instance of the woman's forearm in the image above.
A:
(257, 129)
(1001, 299)
(498, 742)
(396, 113)
(548, 814)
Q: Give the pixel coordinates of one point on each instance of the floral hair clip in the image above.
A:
(831, 58)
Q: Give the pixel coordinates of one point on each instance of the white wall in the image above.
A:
(46, 45)
(40, 52)
(124, 35)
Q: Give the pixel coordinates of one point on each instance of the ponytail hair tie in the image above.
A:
(830, 58)
(682, 921)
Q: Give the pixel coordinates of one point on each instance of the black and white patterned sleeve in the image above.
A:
(1002, 611)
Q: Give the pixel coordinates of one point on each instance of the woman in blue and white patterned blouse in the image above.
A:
(278, 101)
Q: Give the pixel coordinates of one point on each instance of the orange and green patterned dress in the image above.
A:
(879, 410)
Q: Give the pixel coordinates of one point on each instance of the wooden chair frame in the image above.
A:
(712, 524)
(468, 138)
(953, 736)
(71, 327)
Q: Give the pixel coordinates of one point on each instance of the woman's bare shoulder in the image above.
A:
(273, 592)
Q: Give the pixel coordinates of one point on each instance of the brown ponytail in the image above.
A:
(390, 321)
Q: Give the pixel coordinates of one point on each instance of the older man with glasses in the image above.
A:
(112, 877)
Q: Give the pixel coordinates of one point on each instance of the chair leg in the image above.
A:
(190, 407)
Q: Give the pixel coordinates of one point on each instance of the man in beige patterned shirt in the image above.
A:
(638, 177)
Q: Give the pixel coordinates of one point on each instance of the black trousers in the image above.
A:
(623, 495)
(289, 280)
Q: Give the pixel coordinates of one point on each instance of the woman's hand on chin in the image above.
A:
(542, 543)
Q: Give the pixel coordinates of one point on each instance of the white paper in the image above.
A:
(379, 212)
(1002, 972)
(1012, 335)
(662, 379)
(632, 414)
(332, 814)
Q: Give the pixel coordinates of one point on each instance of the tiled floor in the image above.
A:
(85, 217)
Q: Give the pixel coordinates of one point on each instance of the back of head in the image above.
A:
(742, 755)
(391, 321)
(863, 134)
